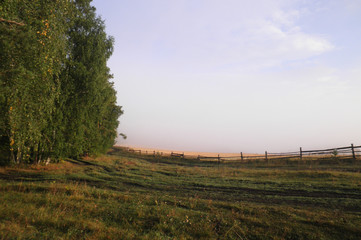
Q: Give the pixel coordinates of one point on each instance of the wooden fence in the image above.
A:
(181, 155)
(350, 151)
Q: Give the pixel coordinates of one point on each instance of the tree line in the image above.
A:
(56, 95)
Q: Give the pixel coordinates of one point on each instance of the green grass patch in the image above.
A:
(122, 196)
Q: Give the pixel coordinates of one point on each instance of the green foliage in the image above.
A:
(55, 96)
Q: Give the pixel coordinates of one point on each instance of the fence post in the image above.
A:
(353, 151)
(154, 153)
(241, 156)
(183, 155)
(219, 159)
(265, 153)
(301, 153)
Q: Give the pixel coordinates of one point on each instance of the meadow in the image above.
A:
(126, 196)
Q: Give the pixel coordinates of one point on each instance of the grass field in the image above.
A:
(122, 196)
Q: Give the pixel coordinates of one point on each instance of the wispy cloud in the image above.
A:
(230, 33)
(215, 75)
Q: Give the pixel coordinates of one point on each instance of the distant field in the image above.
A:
(188, 153)
(127, 196)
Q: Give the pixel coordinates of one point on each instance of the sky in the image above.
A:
(235, 75)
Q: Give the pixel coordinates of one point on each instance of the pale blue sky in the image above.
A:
(233, 75)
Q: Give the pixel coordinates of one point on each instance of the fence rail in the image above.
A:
(177, 155)
(349, 151)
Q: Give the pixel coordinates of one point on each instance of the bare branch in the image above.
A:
(11, 22)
